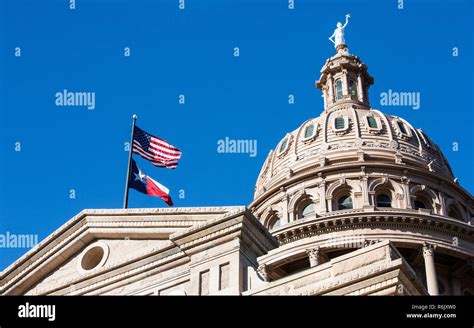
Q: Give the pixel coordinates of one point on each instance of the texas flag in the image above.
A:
(143, 183)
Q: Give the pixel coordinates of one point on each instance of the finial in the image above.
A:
(338, 36)
(134, 117)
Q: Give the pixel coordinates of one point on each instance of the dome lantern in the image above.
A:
(344, 78)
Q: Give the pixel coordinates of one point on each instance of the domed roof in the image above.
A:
(350, 131)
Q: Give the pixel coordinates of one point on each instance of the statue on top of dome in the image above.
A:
(338, 36)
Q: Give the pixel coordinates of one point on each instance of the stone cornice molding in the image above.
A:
(236, 223)
(94, 224)
(389, 220)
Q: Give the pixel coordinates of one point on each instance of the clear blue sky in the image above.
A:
(190, 52)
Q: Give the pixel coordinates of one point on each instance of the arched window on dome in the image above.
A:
(372, 122)
(353, 89)
(402, 129)
(307, 210)
(309, 131)
(453, 212)
(344, 202)
(340, 123)
(283, 146)
(424, 198)
(338, 89)
(383, 200)
(274, 222)
(421, 202)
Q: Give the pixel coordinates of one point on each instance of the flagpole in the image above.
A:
(125, 198)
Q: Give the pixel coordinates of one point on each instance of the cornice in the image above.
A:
(92, 224)
(390, 220)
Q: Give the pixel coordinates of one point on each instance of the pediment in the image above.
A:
(96, 259)
(96, 244)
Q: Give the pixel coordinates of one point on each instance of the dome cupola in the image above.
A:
(344, 78)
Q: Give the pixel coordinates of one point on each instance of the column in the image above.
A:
(345, 87)
(284, 208)
(442, 200)
(322, 197)
(330, 89)
(430, 270)
(365, 191)
(406, 190)
(360, 87)
(314, 256)
(291, 216)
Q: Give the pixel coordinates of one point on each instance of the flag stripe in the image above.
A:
(156, 150)
(170, 164)
(165, 151)
(141, 182)
(138, 150)
(162, 154)
(159, 142)
(160, 186)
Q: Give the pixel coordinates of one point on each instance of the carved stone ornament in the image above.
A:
(263, 272)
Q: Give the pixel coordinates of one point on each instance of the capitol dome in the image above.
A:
(350, 131)
(355, 173)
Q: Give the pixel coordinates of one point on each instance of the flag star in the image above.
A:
(140, 176)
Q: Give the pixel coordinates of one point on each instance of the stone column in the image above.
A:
(345, 87)
(322, 197)
(365, 189)
(291, 215)
(442, 200)
(406, 190)
(360, 88)
(314, 256)
(372, 198)
(285, 213)
(330, 89)
(430, 270)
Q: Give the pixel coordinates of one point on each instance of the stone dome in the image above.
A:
(350, 131)
(351, 134)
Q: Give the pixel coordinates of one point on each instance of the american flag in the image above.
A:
(154, 149)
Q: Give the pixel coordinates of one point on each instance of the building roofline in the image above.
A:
(118, 214)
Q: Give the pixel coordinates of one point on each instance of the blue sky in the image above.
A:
(190, 52)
